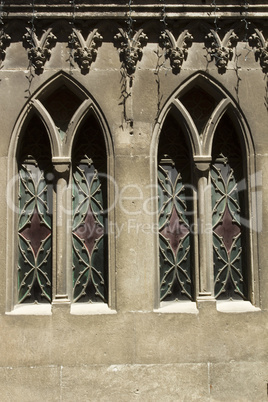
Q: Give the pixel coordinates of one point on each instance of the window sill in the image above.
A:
(187, 307)
(235, 306)
(31, 309)
(91, 309)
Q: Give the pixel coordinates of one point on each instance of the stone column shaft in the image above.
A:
(61, 169)
(204, 234)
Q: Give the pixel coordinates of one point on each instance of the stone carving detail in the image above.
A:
(39, 50)
(221, 51)
(261, 49)
(4, 42)
(130, 48)
(85, 50)
(176, 51)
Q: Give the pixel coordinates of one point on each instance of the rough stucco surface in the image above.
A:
(133, 351)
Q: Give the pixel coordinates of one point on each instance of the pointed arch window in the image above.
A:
(228, 187)
(175, 214)
(205, 213)
(35, 216)
(62, 247)
(89, 232)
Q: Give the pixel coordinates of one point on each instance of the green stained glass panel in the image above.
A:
(35, 219)
(90, 243)
(175, 214)
(229, 236)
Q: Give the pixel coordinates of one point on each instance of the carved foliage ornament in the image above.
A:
(221, 51)
(39, 50)
(176, 52)
(261, 49)
(85, 50)
(130, 48)
(4, 42)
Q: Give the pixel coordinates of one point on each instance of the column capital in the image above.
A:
(202, 162)
(61, 165)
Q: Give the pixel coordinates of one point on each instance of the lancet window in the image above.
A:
(62, 177)
(203, 201)
(175, 214)
(89, 232)
(228, 214)
(35, 216)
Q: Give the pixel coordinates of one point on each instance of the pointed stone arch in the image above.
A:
(224, 103)
(36, 104)
(61, 152)
(87, 108)
(201, 144)
(56, 81)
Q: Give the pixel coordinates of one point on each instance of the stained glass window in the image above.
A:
(228, 206)
(90, 247)
(35, 216)
(175, 214)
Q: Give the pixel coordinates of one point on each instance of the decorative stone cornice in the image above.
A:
(176, 51)
(141, 9)
(130, 48)
(85, 50)
(258, 41)
(221, 51)
(4, 42)
(39, 50)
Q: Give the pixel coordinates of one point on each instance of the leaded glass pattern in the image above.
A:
(175, 214)
(35, 217)
(228, 194)
(89, 234)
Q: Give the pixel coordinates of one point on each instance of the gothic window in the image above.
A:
(205, 231)
(62, 202)
(35, 216)
(228, 199)
(89, 233)
(175, 214)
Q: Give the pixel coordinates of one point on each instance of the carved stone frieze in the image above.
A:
(130, 48)
(176, 51)
(85, 50)
(221, 50)
(258, 41)
(39, 50)
(4, 42)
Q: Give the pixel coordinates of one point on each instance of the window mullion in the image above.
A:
(204, 228)
(61, 169)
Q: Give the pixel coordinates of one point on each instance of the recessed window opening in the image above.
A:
(35, 216)
(89, 199)
(175, 214)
